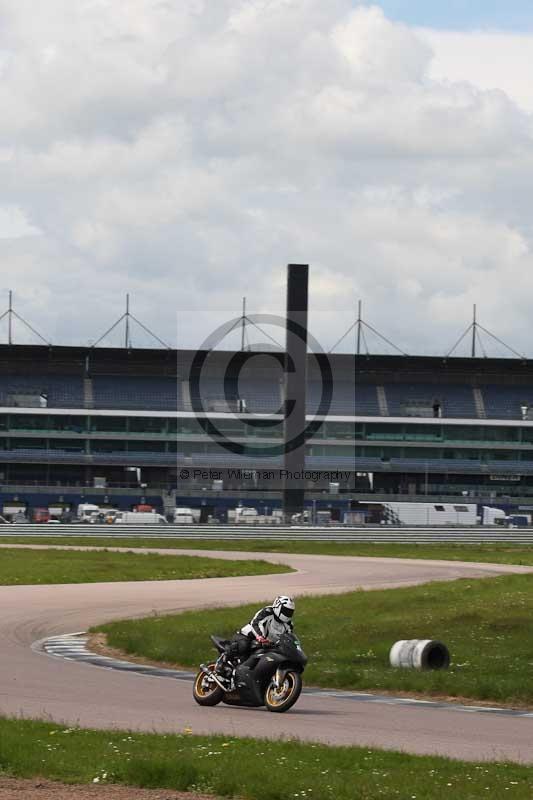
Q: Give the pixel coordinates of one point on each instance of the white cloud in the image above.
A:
(14, 225)
(488, 60)
(187, 151)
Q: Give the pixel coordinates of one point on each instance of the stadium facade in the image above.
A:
(123, 426)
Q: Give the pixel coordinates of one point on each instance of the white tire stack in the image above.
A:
(419, 654)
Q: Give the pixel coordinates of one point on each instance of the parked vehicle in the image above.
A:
(183, 516)
(105, 516)
(245, 515)
(13, 510)
(492, 516)
(41, 515)
(86, 511)
(274, 679)
(20, 518)
(518, 520)
(434, 514)
(140, 518)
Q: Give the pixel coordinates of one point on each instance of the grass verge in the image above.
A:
(487, 625)
(247, 768)
(486, 553)
(67, 566)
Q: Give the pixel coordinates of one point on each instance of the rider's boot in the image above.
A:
(224, 667)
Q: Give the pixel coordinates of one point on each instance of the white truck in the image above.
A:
(183, 516)
(86, 511)
(140, 518)
(434, 514)
(492, 516)
(246, 515)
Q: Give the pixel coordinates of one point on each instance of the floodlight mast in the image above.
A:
(359, 321)
(128, 318)
(11, 314)
(359, 326)
(10, 318)
(475, 327)
(474, 331)
(243, 324)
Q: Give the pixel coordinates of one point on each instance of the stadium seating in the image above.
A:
(257, 396)
(261, 395)
(347, 398)
(56, 391)
(505, 402)
(164, 394)
(455, 400)
(264, 395)
(132, 392)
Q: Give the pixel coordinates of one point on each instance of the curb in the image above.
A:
(73, 647)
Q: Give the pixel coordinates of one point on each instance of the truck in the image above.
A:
(434, 514)
(492, 516)
(246, 515)
(183, 516)
(518, 520)
(86, 511)
(140, 518)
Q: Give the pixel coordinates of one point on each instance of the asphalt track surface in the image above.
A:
(33, 684)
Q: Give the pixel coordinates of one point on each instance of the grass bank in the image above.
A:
(222, 766)
(486, 553)
(487, 625)
(67, 566)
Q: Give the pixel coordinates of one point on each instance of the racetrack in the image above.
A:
(34, 684)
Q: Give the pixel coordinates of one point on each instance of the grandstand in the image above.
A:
(121, 425)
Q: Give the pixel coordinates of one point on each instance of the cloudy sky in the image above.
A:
(186, 151)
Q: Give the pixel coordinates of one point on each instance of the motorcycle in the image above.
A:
(271, 676)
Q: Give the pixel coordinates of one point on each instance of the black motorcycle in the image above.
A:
(271, 676)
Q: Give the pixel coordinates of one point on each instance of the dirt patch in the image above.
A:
(35, 789)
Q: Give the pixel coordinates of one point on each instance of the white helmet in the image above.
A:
(283, 608)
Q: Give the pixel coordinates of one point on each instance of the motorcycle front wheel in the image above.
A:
(205, 691)
(282, 698)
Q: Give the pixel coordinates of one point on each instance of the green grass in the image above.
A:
(252, 769)
(487, 625)
(68, 566)
(498, 553)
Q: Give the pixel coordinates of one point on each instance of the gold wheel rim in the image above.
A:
(278, 701)
(199, 687)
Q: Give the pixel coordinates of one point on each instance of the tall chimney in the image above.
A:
(295, 389)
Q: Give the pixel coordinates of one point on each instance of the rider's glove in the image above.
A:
(262, 640)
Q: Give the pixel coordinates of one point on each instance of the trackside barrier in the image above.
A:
(378, 534)
(419, 654)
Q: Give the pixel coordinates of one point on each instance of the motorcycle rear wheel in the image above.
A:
(280, 700)
(206, 692)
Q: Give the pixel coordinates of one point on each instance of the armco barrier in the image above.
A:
(402, 535)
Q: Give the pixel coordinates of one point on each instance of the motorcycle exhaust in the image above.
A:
(212, 675)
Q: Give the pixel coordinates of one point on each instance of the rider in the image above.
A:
(265, 627)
